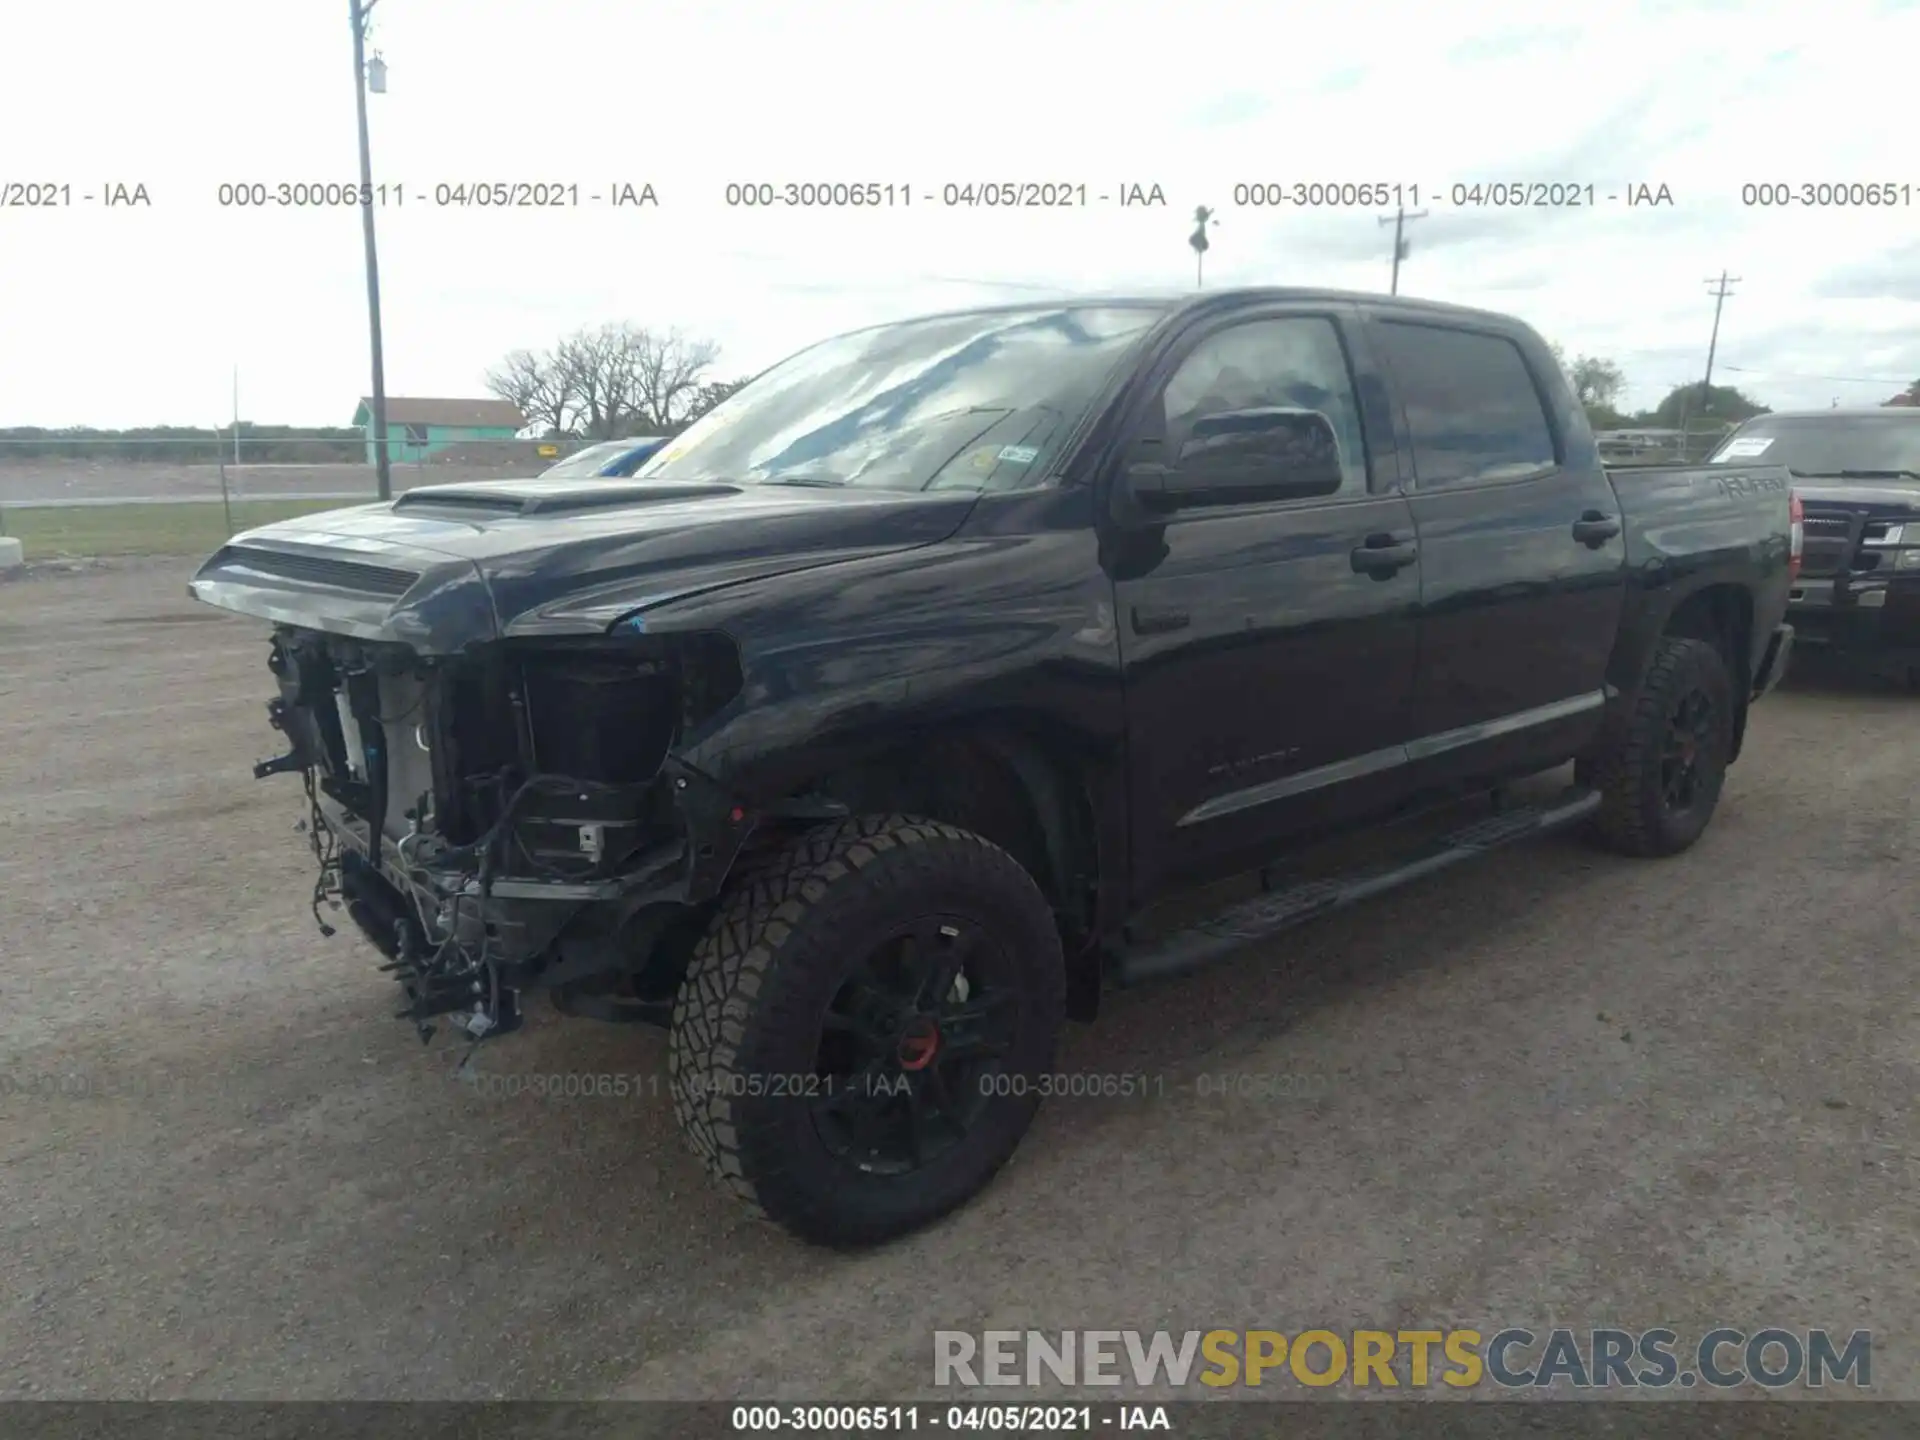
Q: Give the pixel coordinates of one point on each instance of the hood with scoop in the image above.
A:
(447, 566)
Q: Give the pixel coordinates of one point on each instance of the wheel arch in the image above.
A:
(1027, 788)
(1722, 615)
(1712, 609)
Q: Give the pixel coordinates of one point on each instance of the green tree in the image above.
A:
(1908, 396)
(1598, 384)
(1705, 402)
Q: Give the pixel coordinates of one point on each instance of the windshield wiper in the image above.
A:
(821, 482)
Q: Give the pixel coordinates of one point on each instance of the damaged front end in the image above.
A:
(513, 817)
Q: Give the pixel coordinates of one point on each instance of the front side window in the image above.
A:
(1292, 363)
(980, 401)
(1472, 411)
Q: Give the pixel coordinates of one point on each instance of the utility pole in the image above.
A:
(1720, 292)
(1202, 218)
(358, 11)
(1399, 220)
(1721, 288)
(236, 415)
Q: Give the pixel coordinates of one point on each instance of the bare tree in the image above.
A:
(669, 378)
(610, 381)
(537, 386)
(601, 367)
(706, 396)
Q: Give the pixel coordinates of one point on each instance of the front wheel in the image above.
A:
(858, 1043)
(1661, 773)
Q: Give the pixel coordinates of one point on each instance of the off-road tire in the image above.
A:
(1635, 817)
(750, 1009)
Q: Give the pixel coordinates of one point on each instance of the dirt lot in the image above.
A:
(1556, 1089)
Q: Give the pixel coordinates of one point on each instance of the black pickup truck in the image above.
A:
(1857, 473)
(849, 736)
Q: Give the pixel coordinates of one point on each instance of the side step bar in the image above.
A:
(1277, 910)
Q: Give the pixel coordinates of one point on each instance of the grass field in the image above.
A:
(188, 528)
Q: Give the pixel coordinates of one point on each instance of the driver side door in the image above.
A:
(1267, 640)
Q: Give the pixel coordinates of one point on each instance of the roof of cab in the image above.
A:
(1175, 303)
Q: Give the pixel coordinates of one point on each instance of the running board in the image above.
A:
(1276, 910)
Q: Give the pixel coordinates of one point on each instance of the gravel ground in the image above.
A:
(1557, 1088)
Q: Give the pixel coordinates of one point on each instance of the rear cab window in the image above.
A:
(1473, 412)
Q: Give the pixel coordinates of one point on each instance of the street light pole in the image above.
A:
(1202, 218)
(382, 465)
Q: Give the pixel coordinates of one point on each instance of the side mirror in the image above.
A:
(1272, 453)
(1241, 457)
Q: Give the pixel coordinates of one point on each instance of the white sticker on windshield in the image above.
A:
(1019, 454)
(1744, 449)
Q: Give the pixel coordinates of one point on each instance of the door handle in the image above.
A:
(1594, 529)
(1159, 622)
(1384, 556)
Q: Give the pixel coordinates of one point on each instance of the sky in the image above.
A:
(119, 315)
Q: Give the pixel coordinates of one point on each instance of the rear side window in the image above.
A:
(1472, 410)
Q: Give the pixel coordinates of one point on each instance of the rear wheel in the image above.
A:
(857, 1044)
(1661, 774)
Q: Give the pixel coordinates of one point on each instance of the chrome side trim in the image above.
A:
(1505, 725)
(1376, 761)
(1338, 773)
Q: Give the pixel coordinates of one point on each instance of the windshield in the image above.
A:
(589, 461)
(973, 402)
(1877, 445)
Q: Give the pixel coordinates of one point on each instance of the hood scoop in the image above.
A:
(520, 498)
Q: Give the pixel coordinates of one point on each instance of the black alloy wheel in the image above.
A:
(857, 1042)
(910, 1042)
(1662, 763)
(1690, 735)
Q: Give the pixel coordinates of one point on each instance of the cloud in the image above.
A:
(1068, 94)
(1894, 275)
(1512, 44)
(1235, 107)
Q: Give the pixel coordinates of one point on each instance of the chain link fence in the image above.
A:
(1688, 444)
(185, 492)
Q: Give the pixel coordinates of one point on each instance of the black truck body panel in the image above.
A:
(1176, 701)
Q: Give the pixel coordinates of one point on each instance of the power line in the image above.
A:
(1401, 245)
(1796, 375)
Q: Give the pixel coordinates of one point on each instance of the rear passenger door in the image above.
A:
(1268, 647)
(1521, 587)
